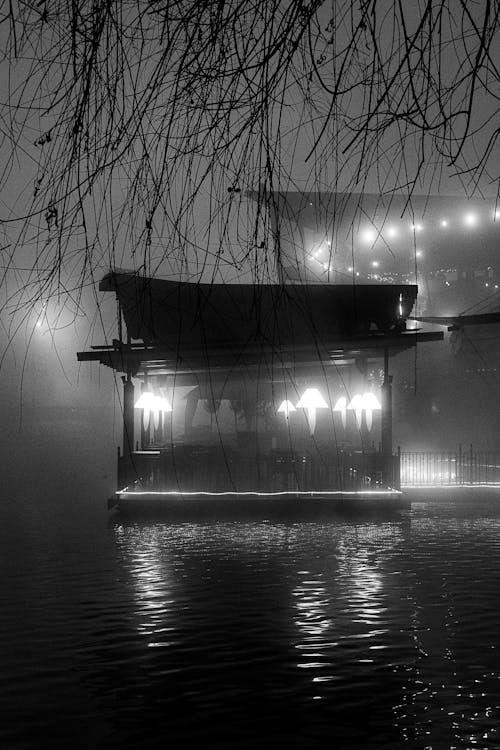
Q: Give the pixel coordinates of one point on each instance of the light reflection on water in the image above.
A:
(366, 633)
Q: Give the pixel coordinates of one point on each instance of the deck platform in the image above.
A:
(242, 506)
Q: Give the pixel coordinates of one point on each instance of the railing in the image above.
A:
(460, 467)
(210, 468)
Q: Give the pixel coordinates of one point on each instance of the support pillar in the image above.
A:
(125, 471)
(386, 422)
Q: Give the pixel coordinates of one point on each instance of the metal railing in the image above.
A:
(448, 468)
(196, 468)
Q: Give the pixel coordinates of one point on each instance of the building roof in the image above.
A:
(174, 325)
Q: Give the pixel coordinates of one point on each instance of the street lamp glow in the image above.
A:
(444, 223)
(392, 232)
(470, 220)
(369, 236)
(311, 400)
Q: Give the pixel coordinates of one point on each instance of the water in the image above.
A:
(357, 632)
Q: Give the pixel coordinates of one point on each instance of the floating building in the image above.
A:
(256, 397)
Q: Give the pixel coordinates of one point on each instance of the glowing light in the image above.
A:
(38, 323)
(286, 407)
(370, 404)
(369, 236)
(341, 407)
(375, 264)
(151, 403)
(416, 227)
(497, 214)
(444, 223)
(148, 400)
(392, 232)
(125, 492)
(350, 269)
(357, 405)
(470, 220)
(418, 253)
(311, 400)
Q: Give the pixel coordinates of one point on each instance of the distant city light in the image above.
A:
(369, 235)
(470, 220)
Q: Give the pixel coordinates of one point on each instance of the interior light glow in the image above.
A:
(148, 400)
(151, 403)
(341, 407)
(286, 407)
(145, 401)
(470, 220)
(357, 405)
(311, 400)
(370, 404)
